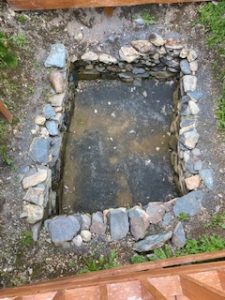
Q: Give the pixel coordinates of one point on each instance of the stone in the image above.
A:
(57, 100)
(36, 228)
(143, 46)
(63, 228)
(156, 39)
(36, 195)
(39, 150)
(156, 211)
(152, 242)
(173, 45)
(48, 111)
(137, 71)
(196, 95)
(193, 182)
(189, 83)
(167, 219)
(192, 55)
(207, 177)
(184, 53)
(85, 222)
(190, 139)
(89, 56)
(34, 179)
(34, 212)
(194, 109)
(139, 222)
(185, 67)
(52, 127)
(139, 21)
(77, 241)
(191, 204)
(178, 238)
(118, 224)
(56, 80)
(86, 235)
(57, 56)
(98, 226)
(128, 54)
(40, 120)
(107, 59)
(194, 66)
(44, 132)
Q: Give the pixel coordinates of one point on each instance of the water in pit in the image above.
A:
(117, 152)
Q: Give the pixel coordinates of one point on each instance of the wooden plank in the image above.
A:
(197, 290)
(152, 289)
(5, 113)
(58, 4)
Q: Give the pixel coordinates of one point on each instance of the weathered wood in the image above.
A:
(58, 4)
(5, 113)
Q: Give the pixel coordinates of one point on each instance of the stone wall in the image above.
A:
(142, 59)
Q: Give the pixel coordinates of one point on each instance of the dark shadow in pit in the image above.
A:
(117, 151)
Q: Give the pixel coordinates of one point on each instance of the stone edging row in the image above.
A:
(154, 57)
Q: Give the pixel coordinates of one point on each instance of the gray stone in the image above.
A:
(194, 109)
(139, 222)
(34, 179)
(152, 242)
(57, 100)
(63, 228)
(190, 204)
(118, 223)
(185, 67)
(207, 177)
(57, 56)
(179, 238)
(196, 95)
(36, 195)
(34, 212)
(190, 139)
(198, 165)
(55, 146)
(129, 54)
(189, 83)
(143, 46)
(57, 81)
(137, 71)
(192, 55)
(39, 150)
(98, 226)
(139, 21)
(86, 235)
(48, 111)
(52, 127)
(89, 56)
(77, 241)
(36, 228)
(85, 222)
(156, 211)
(156, 39)
(107, 59)
(194, 66)
(167, 219)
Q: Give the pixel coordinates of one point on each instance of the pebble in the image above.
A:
(185, 67)
(129, 54)
(89, 56)
(107, 59)
(98, 226)
(156, 39)
(86, 235)
(34, 212)
(192, 55)
(156, 211)
(118, 223)
(40, 120)
(52, 127)
(207, 177)
(193, 182)
(189, 83)
(139, 222)
(77, 241)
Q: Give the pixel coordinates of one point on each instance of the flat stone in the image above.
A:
(156, 211)
(185, 67)
(174, 44)
(36, 195)
(137, 71)
(194, 109)
(143, 46)
(57, 100)
(56, 80)
(184, 53)
(196, 96)
(63, 228)
(190, 139)
(167, 219)
(52, 127)
(86, 235)
(98, 226)
(193, 182)
(89, 56)
(152, 242)
(207, 177)
(189, 83)
(57, 56)
(34, 212)
(192, 55)
(156, 39)
(194, 66)
(34, 179)
(190, 204)
(48, 111)
(118, 223)
(85, 222)
(55, 146)
(40, 120)
(107, 59)
(129, 54)
(77, 241)
(39, 150)
(179, 239)
(139, 21)
(139, 222)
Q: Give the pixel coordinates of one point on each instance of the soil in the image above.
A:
(24, 91)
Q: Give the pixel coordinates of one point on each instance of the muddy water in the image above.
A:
(117, 146)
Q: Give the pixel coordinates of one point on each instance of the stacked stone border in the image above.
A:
(157, 58)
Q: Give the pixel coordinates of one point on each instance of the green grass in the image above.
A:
(184, 217)
(216, 221)
(19, 40)
(4, 156)
(137, 259)
(21, 18)
(213, 18)
(146, 16)
(26, 239)
(8, 58)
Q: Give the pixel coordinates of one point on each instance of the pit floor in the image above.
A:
(117, 152)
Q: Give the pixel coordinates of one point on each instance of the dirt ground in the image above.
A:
(24, 91)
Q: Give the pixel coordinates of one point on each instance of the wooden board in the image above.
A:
(58, 4)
